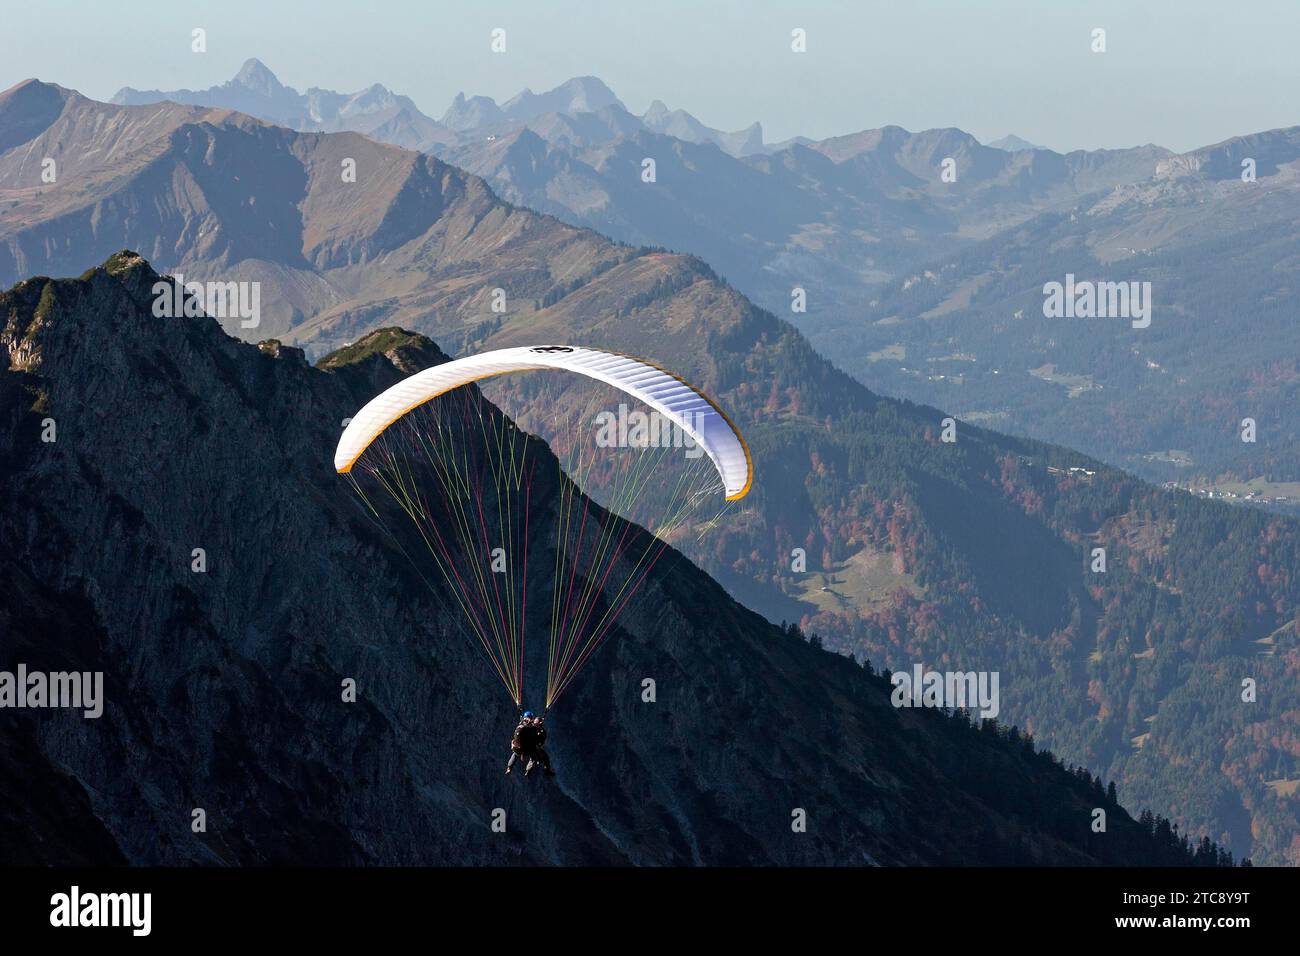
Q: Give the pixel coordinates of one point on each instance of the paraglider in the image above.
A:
(662, 391)
(465, 474)
(529, 745)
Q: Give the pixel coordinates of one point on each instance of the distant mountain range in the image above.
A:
(387, 116)
(1218, 255)
(255, 90)
(974, 554)
(915, 284)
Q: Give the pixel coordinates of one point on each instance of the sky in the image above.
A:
(1179, 73)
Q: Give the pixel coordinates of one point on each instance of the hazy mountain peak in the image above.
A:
(469, 112)
(581, 94)
(376, 97)
(682, 125)
(375, 111)
(34, 90)
(27, 108)
(254, 75)
(253, 90)
(1267, 150)
(28, 84)
(840, 148)
(1012, 143)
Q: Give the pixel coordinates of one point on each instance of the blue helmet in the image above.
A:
(528, 713)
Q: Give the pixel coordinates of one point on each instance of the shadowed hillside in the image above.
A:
(224, 687)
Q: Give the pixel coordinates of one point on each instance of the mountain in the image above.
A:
(255, 90)
(180, 182)
(470, 113)
(971, 554)
(1013, 144)
(769, 218)
(682, 125)
(841, 218)
(588, 173)
(914, 283)
(582, 94)
(224, 687)
(1166, 400)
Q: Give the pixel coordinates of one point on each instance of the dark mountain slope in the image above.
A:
(223, 687)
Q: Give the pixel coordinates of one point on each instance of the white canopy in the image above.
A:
(688, 408)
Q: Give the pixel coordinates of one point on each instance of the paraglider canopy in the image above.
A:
(463, 472)
(680, 402)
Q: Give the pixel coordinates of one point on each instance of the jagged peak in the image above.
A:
(120, 263)
(278, 350)
(34, 88)
(28, 108)
(407, 351)
(577, 94)
(256, 75)
(589, 83)
(29, 83)
(1012, 143)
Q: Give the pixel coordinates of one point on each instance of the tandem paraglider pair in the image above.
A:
(465, 475)
(529, 745)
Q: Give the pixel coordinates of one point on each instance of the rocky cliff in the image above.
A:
(223, 686)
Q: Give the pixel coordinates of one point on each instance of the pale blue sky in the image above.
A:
(1181, 73)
